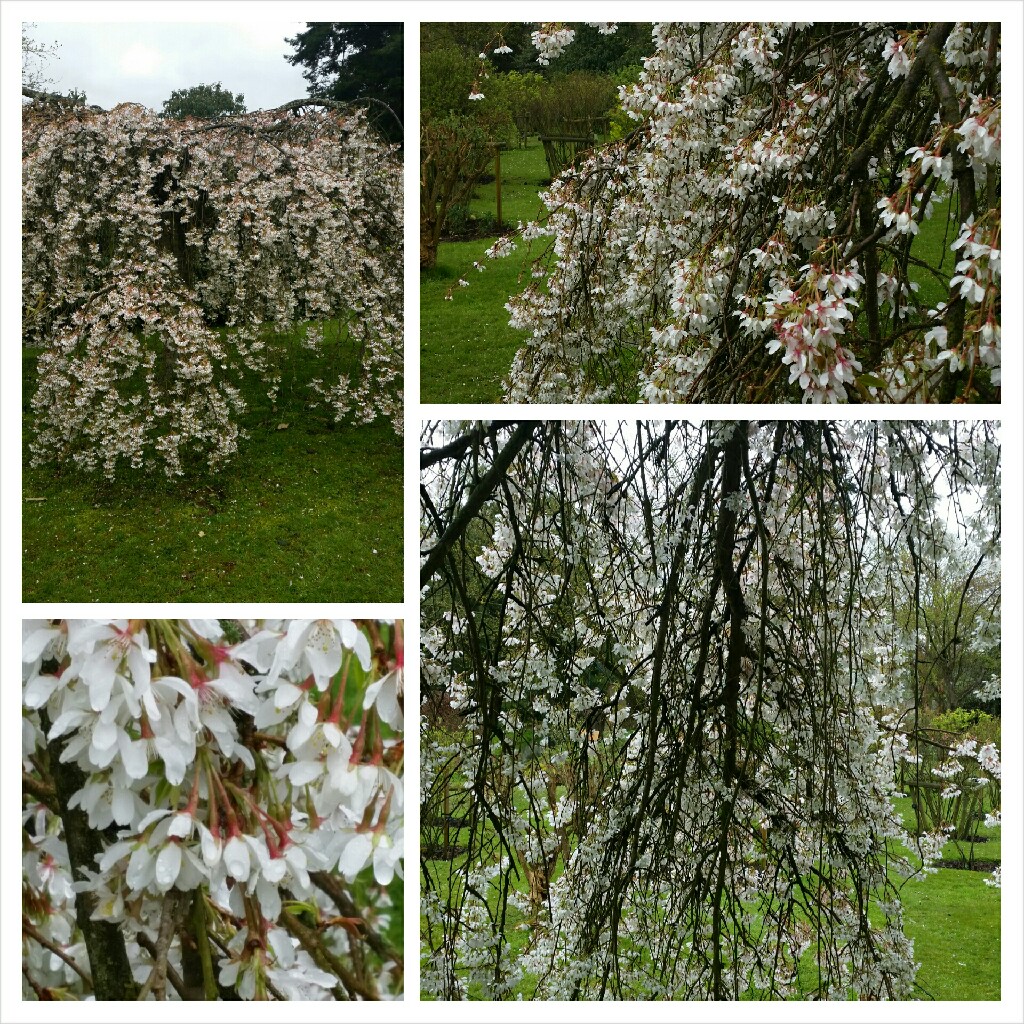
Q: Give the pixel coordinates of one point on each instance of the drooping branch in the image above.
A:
(29, 929)
(475, 501)
(668, 755)
(901, 105)
(333, 887)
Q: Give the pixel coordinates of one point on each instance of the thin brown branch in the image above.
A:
(172, 975)
(170, 914)
(313, 944)
(30, 930)
(42, 994)
(333, 887)
(44, 792)
(520, 436)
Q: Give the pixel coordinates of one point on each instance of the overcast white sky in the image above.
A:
(144, 62)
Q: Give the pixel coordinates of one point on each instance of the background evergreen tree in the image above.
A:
(355, 61)
(203, 101)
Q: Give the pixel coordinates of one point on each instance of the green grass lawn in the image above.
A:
(954, 919)
(466, 344)
(309, 513)
(524, 173)
(932, 245)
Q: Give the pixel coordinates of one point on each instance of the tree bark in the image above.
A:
(104, 941)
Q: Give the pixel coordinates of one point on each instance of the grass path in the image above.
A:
(466, 344)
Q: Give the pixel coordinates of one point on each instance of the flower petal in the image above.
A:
(302, 772)
(168, 864)
(354, 856)
(236, 859)
(286, 695)
(122, 806)
(133, 755)
(38, 690)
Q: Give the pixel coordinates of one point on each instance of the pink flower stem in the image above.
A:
(339, 700)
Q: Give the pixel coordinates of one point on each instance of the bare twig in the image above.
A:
(172, 975)
(480, 493)
(169, 919)
(41, 790)
(314, 945)
(30, 930)
(42, 994)
(333, 887)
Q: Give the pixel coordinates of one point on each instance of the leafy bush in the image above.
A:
(575, 104)
(461, 222)
(958, 782)
(969, 721)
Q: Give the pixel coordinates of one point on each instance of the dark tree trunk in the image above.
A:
(108, 958)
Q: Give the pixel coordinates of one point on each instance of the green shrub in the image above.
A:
(953, 790)
(462, 223)
(969, 722)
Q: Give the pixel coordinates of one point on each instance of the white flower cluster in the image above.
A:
(551, 40)
(502, 247)
(980, 265)
(902, 217)
(667, 248)
(179, 257)
(976, 281)
(808, 328)
(895, 53)
(958, 773)
(981, 133)
(931, 162)
(233, 768)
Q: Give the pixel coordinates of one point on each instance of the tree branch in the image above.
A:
(170, 913)
(332, 886)
(104, 941)
(172, 975)
(520, 436)
(882, 131)
(311, 942)
(29, 929)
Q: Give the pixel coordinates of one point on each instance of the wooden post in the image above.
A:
(497, 180)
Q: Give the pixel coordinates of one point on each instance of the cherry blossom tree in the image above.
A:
(755, 237)
(212, 809)
(666, 695)
(166, 262)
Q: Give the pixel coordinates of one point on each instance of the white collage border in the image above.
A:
(1011, 413)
